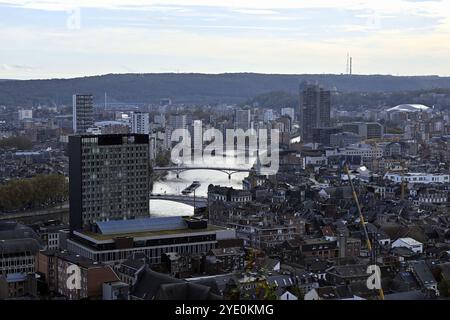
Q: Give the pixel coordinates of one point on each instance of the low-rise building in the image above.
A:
(424, 178)
(408, 243)
(116, 240)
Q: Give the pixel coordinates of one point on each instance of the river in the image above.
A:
(173, 185)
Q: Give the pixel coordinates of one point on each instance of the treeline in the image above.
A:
(198, 88)
(38, 192)
(440, 98)
(276, 100)
(19, 142)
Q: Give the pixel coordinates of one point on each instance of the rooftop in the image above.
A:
(410, 241)
(141, 225)
(409, 108)
(147, 234)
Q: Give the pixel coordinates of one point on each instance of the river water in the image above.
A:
(173, 185)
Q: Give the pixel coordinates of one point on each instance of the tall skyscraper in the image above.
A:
(242, 119)
(109, 178)
(83, 112)
(315, 104)
(140, 123)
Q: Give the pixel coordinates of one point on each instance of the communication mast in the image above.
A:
(351, 65)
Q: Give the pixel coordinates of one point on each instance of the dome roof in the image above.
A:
(409, 108)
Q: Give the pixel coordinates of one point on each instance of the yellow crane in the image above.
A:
(363, 223)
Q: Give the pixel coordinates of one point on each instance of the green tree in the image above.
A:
(39, 191)
(19, 142)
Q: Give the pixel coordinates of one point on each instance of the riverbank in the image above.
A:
(157, 177)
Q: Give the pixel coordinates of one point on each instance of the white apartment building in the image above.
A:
(140, 123)
(415, 177)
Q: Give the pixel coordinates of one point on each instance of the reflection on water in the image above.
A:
(173, 185)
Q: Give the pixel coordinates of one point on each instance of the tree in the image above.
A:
(37, 192)
(20, 142)
(162, 159)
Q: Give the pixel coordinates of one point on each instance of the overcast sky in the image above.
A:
(69, 38)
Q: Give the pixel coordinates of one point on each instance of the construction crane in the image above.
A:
(363, 223)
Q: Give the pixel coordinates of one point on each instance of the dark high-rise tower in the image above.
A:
(83, 112)
(109, 178)
(315, 104)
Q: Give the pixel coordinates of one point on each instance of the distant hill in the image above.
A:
(198, 88)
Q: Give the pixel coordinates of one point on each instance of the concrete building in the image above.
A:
(315, 104)
(228, 194)
(115, 241)
(408, 243)
(424, 276)
(140, 123)
(83, 112)
(18, 286)
(269, 115)
(115, 290)
(178, 121)
(25, 114)
(412, 177)
(366, 130)
(344, 139)
(109, 178)
(242, 119)
(19, 245)
(323, 135)
(92, 277)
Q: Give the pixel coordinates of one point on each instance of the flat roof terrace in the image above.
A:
(147, 234)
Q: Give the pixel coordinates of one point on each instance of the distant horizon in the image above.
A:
(224, 73)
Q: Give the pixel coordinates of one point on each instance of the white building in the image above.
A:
(288, 296)
(25, 114)
(94, 130)
(417, 177)
(140, 123)
(269, 115)
(364, 150)
(314, 160)
(409, 243)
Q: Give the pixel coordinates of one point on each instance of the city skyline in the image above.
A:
(55, 39)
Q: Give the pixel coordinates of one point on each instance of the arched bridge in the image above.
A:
(179, 169)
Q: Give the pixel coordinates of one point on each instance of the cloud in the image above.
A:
(381, 5)
(17, 67)
(292, 36)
